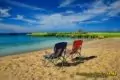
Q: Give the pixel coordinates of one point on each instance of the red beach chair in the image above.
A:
(76, 49)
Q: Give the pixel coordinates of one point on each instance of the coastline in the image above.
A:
(50, 48)
(31, 66)
(23, 44)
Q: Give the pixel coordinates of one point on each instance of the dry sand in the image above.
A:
(32, 66)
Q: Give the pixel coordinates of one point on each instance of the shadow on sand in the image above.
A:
(76, 61)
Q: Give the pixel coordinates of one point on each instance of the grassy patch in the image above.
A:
(99, 35)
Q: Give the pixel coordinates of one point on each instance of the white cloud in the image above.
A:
(105, 19)
(69, 12)
(8, 28)
(21, 17)
(60, 19)
(81, 5)
(114, 8)
(89, 22)
(97, 8)
(110, 10)
(4, 12)
(69, 19)
(55, 19)
(66, 3)
(24, 5)
(12, 28)
(63, 20)
(95, 11)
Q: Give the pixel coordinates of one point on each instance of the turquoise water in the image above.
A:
(10, 45)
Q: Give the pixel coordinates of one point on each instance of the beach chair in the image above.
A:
(76, 49)
(59, 53)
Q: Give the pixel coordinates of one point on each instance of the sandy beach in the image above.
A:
(32, 65)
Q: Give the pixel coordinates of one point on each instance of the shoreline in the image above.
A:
(27, 52)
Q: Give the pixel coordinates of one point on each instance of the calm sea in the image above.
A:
(10, 45)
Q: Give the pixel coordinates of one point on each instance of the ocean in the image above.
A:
(16, 44)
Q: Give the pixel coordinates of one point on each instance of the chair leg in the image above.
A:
(64, 59)
(79, 53)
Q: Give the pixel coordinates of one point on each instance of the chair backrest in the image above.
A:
(59, 49)
(77, 44)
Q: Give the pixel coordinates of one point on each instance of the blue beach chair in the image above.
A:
(59, 53)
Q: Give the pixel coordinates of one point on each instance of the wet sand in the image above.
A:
(32, 65)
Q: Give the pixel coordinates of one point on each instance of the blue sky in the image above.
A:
(59, 15)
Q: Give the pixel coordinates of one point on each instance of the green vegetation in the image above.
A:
(99, 35)
(106, 34)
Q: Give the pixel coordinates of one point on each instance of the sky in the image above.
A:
(18, 16)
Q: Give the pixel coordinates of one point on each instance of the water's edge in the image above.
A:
(13, 45)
